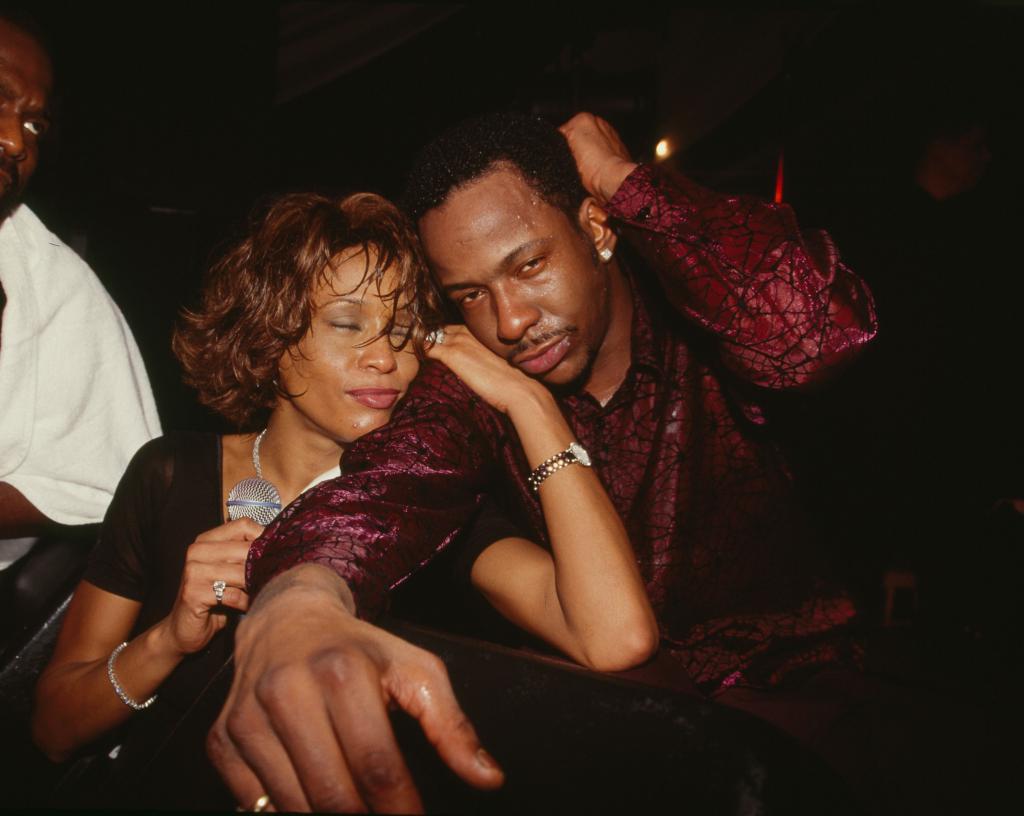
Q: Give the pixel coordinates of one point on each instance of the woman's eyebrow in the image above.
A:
(354, 301)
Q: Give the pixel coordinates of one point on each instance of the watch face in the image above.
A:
(580, 453)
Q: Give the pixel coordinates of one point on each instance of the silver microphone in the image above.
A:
(256, 499)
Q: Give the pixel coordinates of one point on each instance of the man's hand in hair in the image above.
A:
(601, 157)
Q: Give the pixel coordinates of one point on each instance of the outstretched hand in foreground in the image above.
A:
(306, 720)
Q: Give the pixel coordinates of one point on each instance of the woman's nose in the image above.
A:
(379, 355)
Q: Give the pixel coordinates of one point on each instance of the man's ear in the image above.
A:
(593, 220)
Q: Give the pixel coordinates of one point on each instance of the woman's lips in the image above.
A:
(547, 359)
(380, 398)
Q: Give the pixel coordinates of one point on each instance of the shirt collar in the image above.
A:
(647, 334)
(647, 343)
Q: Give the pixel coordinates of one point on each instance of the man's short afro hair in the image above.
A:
(475, 147)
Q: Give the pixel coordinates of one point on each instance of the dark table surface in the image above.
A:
(569, 740)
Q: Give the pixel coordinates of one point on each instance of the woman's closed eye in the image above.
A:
(347, 325)
(400, 333)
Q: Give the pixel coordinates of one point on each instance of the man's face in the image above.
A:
(26, 79)
(524, 276)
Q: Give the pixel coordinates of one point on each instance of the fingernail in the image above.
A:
(485, 760)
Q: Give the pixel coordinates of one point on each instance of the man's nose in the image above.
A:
(514, 317)
(12, 136)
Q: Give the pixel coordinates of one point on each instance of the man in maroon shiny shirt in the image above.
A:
(666, 399)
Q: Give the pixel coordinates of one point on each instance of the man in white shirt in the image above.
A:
(75, 401)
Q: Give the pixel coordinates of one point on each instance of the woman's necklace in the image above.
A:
(256, 498)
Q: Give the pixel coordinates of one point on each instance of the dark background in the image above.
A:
(175, 118)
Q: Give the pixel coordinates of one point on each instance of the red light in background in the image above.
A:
(779, 177)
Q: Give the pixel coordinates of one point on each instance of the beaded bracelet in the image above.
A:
(575, 454)
(120, 692)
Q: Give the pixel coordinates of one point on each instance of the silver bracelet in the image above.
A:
(120, 692)
(575, 454)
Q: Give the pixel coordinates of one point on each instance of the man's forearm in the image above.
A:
(305, 577)
(18, 516)
(407, 490)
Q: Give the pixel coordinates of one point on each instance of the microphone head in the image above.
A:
(256, 499)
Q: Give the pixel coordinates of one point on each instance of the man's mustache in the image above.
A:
(532, 342)
(10, 167)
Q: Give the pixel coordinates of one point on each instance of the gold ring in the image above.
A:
(257, 807)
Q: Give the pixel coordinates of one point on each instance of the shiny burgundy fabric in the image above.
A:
(731, 569)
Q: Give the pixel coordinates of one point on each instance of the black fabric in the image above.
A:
(170, 493)
(3, 302)
(492, 523)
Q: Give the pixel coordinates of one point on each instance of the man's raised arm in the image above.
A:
(779, 300)
(306, 719)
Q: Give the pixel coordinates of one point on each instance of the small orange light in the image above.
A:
(663, 149)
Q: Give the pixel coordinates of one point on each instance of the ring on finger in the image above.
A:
(436, 337)
(218, 592)
(257, 807)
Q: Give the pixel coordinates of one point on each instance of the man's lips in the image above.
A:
(9, 172)
(542, 361)
(380, 398)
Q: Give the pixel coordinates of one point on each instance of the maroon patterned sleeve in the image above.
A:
(407, 490)
(780, 300)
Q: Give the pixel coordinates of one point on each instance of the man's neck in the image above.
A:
(613, 358)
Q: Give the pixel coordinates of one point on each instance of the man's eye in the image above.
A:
(470, 297)
(532, 266)
(35, 127)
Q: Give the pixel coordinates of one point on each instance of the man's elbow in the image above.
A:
(631, 646)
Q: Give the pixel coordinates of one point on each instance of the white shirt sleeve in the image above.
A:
(75, 401)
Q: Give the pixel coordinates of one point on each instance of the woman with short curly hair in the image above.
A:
(305, 338)
(259, 298)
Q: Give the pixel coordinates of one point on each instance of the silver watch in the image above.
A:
(575, 454)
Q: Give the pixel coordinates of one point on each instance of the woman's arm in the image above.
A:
(587, 598)
(75, 700)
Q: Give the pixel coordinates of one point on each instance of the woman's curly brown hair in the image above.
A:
(257, 300)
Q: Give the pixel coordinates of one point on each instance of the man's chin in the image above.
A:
(568, 376)
(9, 199)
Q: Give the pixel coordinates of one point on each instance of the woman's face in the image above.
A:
(344, 374)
